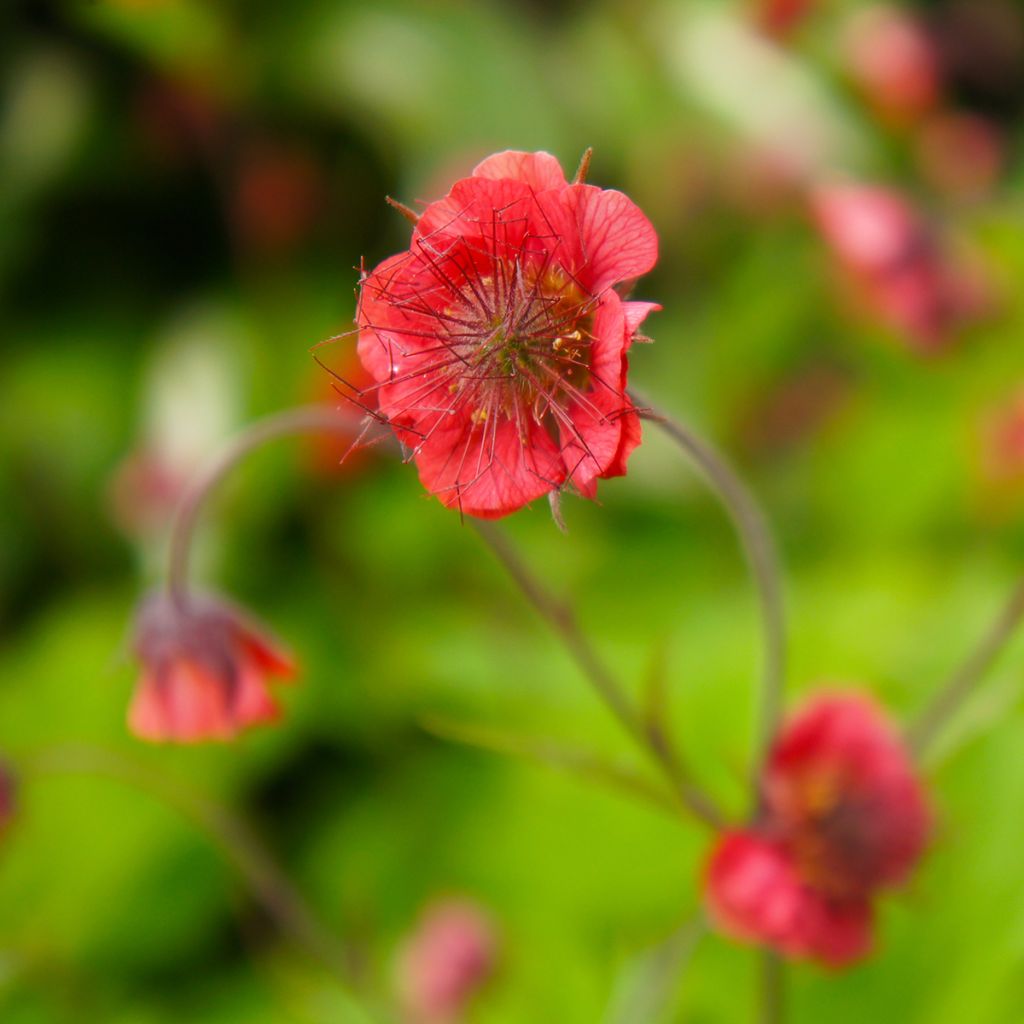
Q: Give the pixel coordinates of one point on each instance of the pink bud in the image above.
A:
(894, 63)
(445, 961)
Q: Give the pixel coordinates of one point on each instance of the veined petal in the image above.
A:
(538, 170)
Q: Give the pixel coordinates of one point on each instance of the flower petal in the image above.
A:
(490, 468)
(600, 235)
(538, 170)
(592, 431)
(755, 895)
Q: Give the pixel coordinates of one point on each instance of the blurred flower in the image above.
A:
(779, 18)
(962, 155)
(499, 342)
(205, 670)
(8, 797)
(1000, 459)
(277, 198)
(178, 118)
(902, 273)
(844, 816)
(893, 62)
(445, 962)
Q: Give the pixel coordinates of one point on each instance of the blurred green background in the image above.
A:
(187, 189)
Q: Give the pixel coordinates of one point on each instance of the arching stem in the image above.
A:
(562, 620)
(308, 419)
(759, 548)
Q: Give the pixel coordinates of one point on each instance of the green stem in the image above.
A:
(755, 537)
(309, 419)
(772, 1008)
(562, 620)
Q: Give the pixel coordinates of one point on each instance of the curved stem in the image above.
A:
(760, 551)
(947, 701)
(562, 620)
(264, 878)
(309, 419)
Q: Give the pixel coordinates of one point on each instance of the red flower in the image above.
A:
(903, 274)
(498, 341)
(844, 817)
(205, 668)
(444, 963)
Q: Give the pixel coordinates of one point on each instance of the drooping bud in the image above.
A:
(205, 670)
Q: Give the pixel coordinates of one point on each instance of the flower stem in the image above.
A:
(948, 699)
(307, 419)
(562, 620)
(771, 1009)
(264, 878)
(760, 551)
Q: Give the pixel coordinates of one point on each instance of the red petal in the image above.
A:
(755, 895)
(636, 313)
(844, 741)
(593, 438)
(488, 469)
(602, 236)
(499, 217)
(538, 170)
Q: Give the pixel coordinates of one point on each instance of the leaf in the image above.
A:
(581, 763)
(650, 983)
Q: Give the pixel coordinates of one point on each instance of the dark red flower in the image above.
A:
(844, 816)
(445, 962)
(205, 670)
(498, 342)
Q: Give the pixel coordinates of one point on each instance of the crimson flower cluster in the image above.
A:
(844, 817)
(498, 341)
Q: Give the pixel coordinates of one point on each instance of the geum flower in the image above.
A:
(205, 670)
(844, 816)
(498, 341)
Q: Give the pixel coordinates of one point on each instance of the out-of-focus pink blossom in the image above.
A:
(893, 62)
(444, 963)
(900, 271)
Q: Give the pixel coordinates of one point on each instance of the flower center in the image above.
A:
(521, 345)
